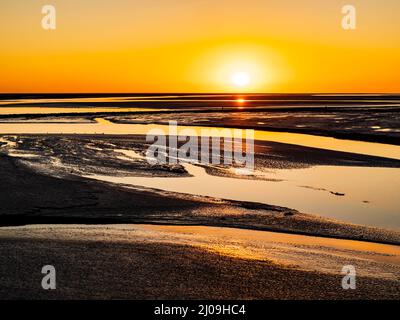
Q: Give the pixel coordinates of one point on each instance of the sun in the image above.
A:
(241, 79)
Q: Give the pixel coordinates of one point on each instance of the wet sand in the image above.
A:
(141, 262)
(33, 195)
(362, 124)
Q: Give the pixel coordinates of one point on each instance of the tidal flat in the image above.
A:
(89, 197)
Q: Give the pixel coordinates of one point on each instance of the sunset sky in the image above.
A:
(200, 46)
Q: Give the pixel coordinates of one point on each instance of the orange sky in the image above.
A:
(198, 45)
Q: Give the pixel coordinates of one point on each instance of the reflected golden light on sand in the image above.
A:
(300, 251)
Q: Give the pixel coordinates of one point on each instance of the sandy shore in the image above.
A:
(141, 262)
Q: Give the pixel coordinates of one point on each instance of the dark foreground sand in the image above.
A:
(144, 262)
